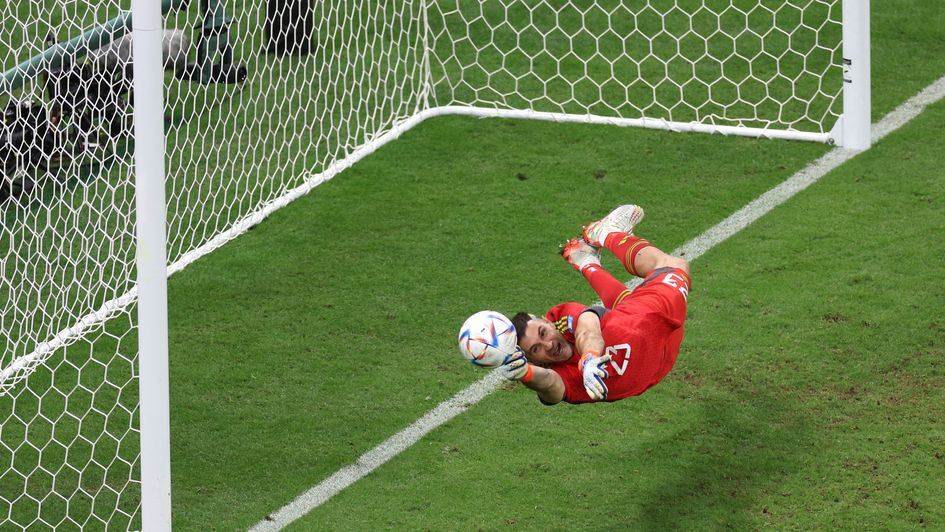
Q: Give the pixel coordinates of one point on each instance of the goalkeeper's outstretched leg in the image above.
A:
(615, 233)
(636, 254)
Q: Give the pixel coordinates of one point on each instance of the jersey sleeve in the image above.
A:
(570, 374)
(565, 316)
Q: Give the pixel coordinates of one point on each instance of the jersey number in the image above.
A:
(613, 351)
(678, 283)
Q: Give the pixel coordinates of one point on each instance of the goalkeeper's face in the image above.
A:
(543, 344)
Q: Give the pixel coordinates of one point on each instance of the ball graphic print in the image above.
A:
(487, 339)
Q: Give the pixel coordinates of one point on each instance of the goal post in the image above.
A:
(856, 122)
(151, 260)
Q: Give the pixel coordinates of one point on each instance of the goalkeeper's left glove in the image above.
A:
(517, 368)
(593, 373)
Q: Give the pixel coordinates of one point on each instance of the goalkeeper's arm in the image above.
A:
(588, 337)
(589, 340)
(546, 383)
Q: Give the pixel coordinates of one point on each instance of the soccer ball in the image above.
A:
(488, 339)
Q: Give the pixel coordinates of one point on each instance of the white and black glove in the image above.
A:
(594, 373)
(517, 368)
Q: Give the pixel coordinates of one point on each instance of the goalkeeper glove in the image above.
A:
(593, 373)
(517, 368)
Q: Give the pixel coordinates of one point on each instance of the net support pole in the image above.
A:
(427, 71)
(856, 75)
(147, 38)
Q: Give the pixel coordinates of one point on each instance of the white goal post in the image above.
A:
(117, 171)
(855, 122)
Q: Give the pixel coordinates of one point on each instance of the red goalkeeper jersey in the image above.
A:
(642, 334)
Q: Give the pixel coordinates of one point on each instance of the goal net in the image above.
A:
(748, 67)
(263, 102)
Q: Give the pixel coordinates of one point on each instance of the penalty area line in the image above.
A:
(691, 250)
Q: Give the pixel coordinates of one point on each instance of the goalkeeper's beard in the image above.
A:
(562, 351)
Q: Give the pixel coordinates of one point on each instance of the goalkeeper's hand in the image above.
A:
(517, 368)
(593, 373)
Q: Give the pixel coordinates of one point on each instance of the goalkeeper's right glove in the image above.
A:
(593, 373)
(517, 368)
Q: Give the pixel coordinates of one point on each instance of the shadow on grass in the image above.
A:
(714, 473)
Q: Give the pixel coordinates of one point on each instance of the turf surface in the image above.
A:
(805, 396)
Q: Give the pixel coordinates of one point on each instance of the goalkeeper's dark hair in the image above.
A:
(519, 321)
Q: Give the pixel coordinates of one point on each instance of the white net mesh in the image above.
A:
(68, 435)
(318, 85)
(748, 63)
(322, 87)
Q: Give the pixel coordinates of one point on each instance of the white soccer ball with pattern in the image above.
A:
(488, 339)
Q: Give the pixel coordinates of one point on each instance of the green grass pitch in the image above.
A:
(807, 394)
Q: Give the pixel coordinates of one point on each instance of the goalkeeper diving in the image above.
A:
(578, 353)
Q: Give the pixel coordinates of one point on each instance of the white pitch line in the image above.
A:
(373, 459)
(691, 250)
